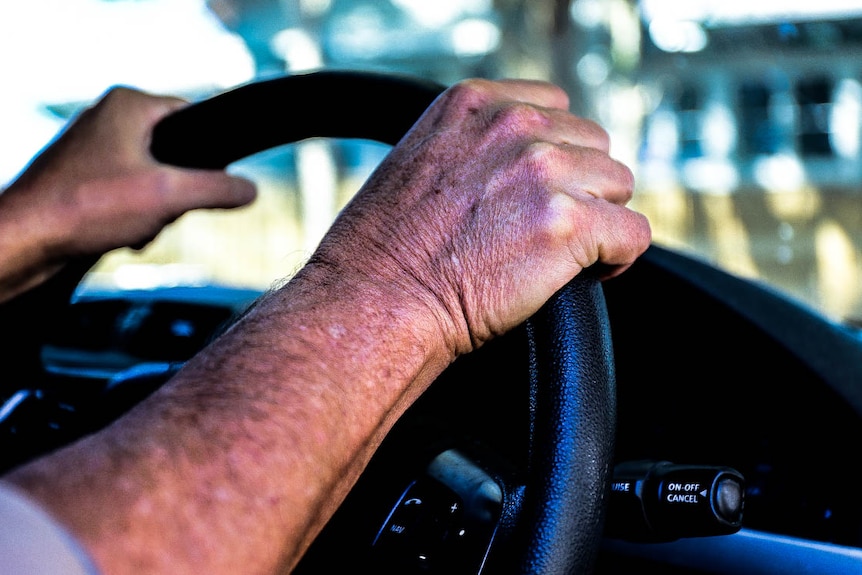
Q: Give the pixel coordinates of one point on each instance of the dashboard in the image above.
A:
(711, 370)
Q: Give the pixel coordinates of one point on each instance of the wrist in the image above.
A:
(370, 322)
(28, 242)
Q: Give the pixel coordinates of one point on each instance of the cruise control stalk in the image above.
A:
(663, 501)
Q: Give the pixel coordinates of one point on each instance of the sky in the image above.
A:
(68, 52)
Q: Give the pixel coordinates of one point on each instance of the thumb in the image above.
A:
(193, 189)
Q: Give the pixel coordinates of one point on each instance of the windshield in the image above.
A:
(740, 120)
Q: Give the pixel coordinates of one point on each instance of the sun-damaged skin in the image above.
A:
(96, 188)
(491, 203)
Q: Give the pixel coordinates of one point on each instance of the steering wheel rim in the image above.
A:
(573, 401)
(573, 427)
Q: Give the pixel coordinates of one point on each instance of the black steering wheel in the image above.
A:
(552, 512)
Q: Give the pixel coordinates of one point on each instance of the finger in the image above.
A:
(482, 98)
(174, 191)
(508, 121)
(165, 105)
(124, 101)
(212, 189)
(600, 176)
(121, 123)
(572, 130)
(543, 94)
(582, 171)
(620, 236)
(553, 102)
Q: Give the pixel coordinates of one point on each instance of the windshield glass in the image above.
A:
(740, 120)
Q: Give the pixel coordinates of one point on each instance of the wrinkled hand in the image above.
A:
(97, 187)
(493, 201)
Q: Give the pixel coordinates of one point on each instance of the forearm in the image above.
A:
(258, 439)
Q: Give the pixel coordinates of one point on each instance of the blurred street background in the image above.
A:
(741, 120)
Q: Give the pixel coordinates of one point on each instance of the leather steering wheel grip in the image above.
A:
(255, 117)
(573, 420)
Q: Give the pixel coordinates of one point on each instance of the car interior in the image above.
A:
(687, 416)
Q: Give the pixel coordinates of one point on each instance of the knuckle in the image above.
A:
(537, 162)
(117, 95)
(460, 103)
(518, 118)
(470, 90)
(468, 95)
(540, 156)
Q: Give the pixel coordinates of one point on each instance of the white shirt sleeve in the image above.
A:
(32, 542)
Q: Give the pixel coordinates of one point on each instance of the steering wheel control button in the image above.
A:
(418, 525)
(663, 501)
(728, 499)
(443, 522)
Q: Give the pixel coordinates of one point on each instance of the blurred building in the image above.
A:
(741, 120)
(750, 144)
